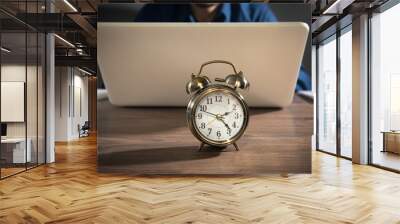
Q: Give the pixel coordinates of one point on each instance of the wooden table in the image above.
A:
(391, 141)
(157, 141)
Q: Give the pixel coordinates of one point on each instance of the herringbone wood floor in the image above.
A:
(71, 191)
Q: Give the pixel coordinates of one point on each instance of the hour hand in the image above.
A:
(227, 113)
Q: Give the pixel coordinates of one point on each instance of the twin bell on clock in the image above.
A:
(217, 113)
(199, 81)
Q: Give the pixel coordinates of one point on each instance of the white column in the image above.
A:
(360, 90)
(50, 99)
(62, 103)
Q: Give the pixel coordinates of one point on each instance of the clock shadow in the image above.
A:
(157, 155)
(212, 149)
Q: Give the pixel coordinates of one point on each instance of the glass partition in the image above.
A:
(22, 88)
(14, 153)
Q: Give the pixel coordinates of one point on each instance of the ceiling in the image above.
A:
(75, 21)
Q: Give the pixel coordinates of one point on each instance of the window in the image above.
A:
(333, 137)
(346, 93)
(327, 96)
(385, 89)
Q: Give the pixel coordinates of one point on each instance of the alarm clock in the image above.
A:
(217, 113)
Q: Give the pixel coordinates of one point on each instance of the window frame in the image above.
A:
(378, 10)
(333, 37)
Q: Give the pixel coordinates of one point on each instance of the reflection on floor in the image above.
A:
(11, 169)
(72, 191)
(386, 159)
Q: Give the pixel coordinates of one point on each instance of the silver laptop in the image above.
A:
(148, 64)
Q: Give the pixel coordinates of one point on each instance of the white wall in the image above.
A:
(71, 102)
(62, 82)
(12, 101)
(12, 73)
(34, 125)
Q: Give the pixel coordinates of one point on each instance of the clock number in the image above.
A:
(234, 107)
(229, 131)
(236, 115)
(203, 108)
(199, 115)
(218, 99)
(209, 131)
(203, 125)
(229, 102)
(234, 124)
(218, 134)
(209, 100)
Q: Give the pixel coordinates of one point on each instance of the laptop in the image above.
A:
(148, 64)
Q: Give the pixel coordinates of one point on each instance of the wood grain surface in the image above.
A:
(157, 141)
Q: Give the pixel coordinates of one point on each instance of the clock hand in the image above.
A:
(210, 113)
(226, 125)
(220, 118)
(227, 113)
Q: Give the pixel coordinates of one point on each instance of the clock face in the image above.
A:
(219, 116)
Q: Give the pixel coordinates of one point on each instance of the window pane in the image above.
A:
(385, 87)
(327, 96)
(346, 93)
(31, 97)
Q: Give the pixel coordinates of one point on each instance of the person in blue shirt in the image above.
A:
(215, 12)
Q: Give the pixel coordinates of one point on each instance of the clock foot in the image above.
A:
(201, 146)
(236, 146)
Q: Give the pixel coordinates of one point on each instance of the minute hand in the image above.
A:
(210, 113)
(226, 125)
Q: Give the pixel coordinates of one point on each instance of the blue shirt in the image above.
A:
(226, 12)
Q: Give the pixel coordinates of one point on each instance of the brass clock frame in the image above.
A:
(191, 119)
